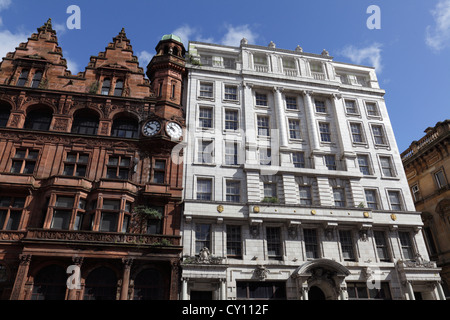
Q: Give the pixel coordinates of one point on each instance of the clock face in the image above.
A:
(174, 130)
(151, 128)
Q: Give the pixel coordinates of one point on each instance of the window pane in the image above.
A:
(29, 167)
(311, 244)
(65, 202)
(61, 219)
(5, 202)
(204, 189)
(14, 220)
(111, 204)
(202, 237)
(18, 203)
(108, 222)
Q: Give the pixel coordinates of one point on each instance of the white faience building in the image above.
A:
(294, 183)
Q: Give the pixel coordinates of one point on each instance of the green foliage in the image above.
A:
(270, 200)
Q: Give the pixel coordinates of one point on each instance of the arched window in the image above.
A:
(85, 122)
(23, 78)
(125, 127)
(50, 284)
(101, 284)
(119, 88)
(39, 119)
(149, 285)
(36, 79)
(5, 110)
(106, 86)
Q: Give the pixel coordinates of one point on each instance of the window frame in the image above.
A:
(197, 189)
(201, 147)
(76, 164)
(8, 224)
(25, 160)
(202, 117)
(347, 244)
(368, 165)
(296, 132)
(234, 241)
(263, 125)
(400, 204)
(377, 198)
(440, 184)
(360, 133)
(233, 197)
(385, 142)
(325, 134)
(391, 168)
(235, 121)
(274, 243)
(227, 96)
(206, 90)
(119, 167)
(311, 243)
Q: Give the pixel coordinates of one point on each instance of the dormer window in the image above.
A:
(106, 86)
(36, 79)
(119, 88)
(23, 78)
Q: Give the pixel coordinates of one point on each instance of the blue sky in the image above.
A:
(411, 51)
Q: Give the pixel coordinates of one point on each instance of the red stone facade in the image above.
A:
(75, 167)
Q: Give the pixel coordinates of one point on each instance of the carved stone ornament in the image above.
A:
(220, 208)
(204, 257)
(260, 273)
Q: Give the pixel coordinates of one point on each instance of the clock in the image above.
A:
(151, 128)
(174, 130)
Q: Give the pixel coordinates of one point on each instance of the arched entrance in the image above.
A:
(315, 293)
(321, 279)
(50, 284)
(101, 284)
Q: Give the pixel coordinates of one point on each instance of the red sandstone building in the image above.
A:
(78, 155)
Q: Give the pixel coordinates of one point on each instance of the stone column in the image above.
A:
(21, 277)
(305, 290)
(184, 289)
(281, 117)
(440, 291)
(126, 278)
(77, 261)
(174, 278)
(223, 289)
(410, 290)
(311, 121)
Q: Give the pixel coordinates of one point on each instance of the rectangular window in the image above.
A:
(357, 133)
(339, 197)
(325, 133)
(371, 198)
(24, 161)
(330, 162)
(265, 156)
(372, 109)
(345, 238)
(11, 212)
(363, 162)
(204, 189)
(298, 158)
(320, 106)
(381, 244)
(206, 60)
(231, 93)
(233, 191)
(395, 201)
(360, 291)
(311, 243)
(159, 171)
(231, 119)
(440, 179)
(274, 243)
(263, 126)
(386, 167)
(305, 195)
(229, 63)
(119, 167)
(205, 152)
(75, 164)
(261, 99)
(406, 245)
(378, 135)
(206, 90)
(205, 117)
(294, 129)
(270, 190)
(110, 215)
(291, 103)
(415, 192)
(234, 242)
(202, 237)
(260, 290)
(350, 107)
(231, 153)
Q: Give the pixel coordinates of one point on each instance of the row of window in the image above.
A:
(69, 212)
(110, 86)
(84, 122)
(261, 99)
(233, 190)
(312, 239)
(76, 164)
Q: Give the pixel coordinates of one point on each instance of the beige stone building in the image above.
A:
(427, 166)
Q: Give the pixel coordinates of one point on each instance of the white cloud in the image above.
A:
(188, 33)
(370, 55)
(72, 66)
(144, 58)
(234, 35)
(4, 4)
(438, 36)
(60, 28)
(9, 41)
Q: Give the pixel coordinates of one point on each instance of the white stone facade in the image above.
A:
(291, 223)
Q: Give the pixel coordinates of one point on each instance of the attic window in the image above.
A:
(23, 78)
(36, 79)
(119, 88)
(106, 86)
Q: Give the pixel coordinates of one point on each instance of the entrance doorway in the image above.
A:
(315, 293)
(201, 295)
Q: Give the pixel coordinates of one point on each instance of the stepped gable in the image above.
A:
(118, 62)
(40, 53)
